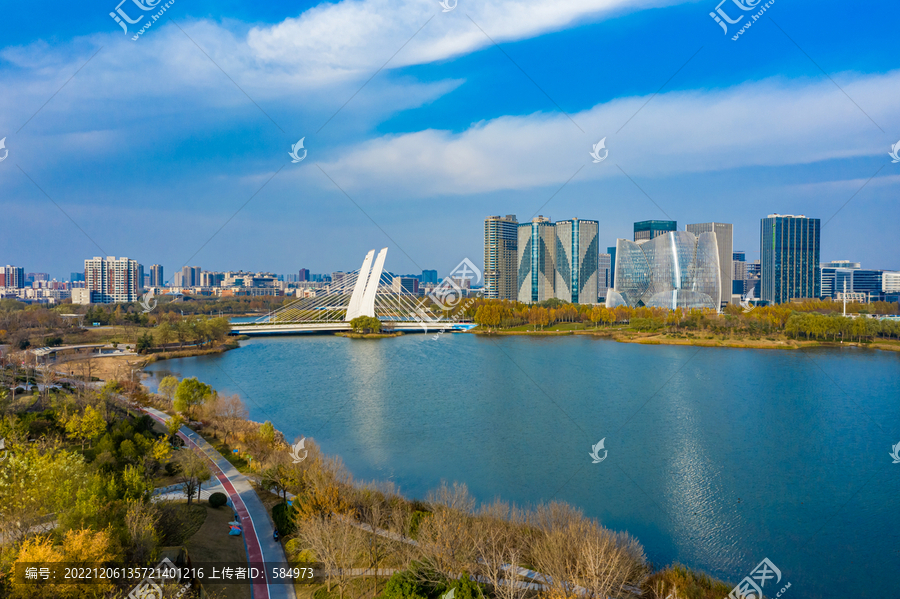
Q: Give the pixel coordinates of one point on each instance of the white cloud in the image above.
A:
(763, 124)
(347, 39)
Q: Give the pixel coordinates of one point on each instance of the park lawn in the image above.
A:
(212, 543)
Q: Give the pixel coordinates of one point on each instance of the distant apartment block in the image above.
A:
(500, 259)
(76, 277)
(789, 257)
(405, 284)
(429, 277)
(724, 240)
(303, 276)
(113, 280)
(156, 276)
(12, 277)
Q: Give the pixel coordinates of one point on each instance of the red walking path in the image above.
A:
(257, 528)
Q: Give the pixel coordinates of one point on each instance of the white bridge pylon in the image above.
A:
(368, 292)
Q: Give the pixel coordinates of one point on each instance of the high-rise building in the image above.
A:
(304, 275)
(576, 261)
(12, 276)
(724, 236)
(75, 277)
(789, 256)
(500, 260)
(536, 260)
(429, 276)
(604, 275)
(33, 277)
(612, 266)
(648, 229)
(211, 279)
(738, 272)
(113, 280)
(405, 284)
(156, 276)
(190, 276)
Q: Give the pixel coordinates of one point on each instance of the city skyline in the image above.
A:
(452, 124)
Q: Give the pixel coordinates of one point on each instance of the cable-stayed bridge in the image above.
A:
(368, 291)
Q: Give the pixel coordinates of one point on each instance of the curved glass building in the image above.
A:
(674, 270)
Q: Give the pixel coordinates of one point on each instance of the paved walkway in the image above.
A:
(257, 527)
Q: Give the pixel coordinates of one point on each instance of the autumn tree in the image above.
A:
(193, 471)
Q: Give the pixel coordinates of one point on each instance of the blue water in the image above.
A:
(717, 458)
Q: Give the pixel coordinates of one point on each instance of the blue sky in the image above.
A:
(155, 144)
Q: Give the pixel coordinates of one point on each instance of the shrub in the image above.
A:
(403, 586)
(172, 468)
(53, 341)
(217, 500)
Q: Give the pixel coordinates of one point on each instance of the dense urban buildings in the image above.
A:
(576, 260)
(500, 257)
(724, 240)
(674, 270)
(304, 275)
(112, 280)
(646, 230)
(612, 266)
(12, 276)
(842, 277)
(789, 255)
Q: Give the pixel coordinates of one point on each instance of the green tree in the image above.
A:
(191, 393)
(174, 423)
(167, 387)
(267, 432)
(164, 332)
(144, 343)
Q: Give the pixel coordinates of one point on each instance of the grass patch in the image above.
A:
(212, 543)
(689, 584)
(242, 465)
(183, 522)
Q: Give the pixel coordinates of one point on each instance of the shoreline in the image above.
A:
(713, 341)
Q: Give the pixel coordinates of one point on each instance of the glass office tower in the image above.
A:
(789, 257)
(577, 260)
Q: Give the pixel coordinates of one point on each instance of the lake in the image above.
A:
(717, 458)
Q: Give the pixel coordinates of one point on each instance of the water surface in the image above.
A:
(717, 457)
